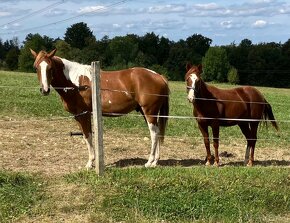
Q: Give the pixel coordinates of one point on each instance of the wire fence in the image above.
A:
(178, 117)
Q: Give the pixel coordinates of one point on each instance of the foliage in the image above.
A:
(12, 59)
(263, 64)
(197, 45)
(233, 76)
(215, 64)
(78, 35)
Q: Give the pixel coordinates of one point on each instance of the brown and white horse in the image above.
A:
(136, 88)
(214, 107)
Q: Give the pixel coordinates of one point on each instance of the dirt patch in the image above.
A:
(45, 147)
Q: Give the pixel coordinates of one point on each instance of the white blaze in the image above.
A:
(43, 66)
(190, 95)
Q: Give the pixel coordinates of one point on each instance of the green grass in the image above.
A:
(172, 194)
(187, 195)
(19, 193)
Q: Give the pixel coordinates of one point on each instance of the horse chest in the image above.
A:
(75, 102)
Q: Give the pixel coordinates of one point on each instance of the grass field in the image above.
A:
(231, 193)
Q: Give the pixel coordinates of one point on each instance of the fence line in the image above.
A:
(139, 136)
(163, 116)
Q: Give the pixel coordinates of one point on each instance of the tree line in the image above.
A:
(263, 64)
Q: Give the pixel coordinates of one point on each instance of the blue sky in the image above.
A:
(223, 21)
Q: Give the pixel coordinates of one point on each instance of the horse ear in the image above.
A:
(200, 68)
(188, 66)
(33, 53)
(51, 54)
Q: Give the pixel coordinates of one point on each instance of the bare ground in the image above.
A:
(42, 146)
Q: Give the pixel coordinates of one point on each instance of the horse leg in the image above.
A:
(154, 133)
(84, 122)
(215, 132)
(204, 131)
(254, 129)
(154, 154)
(247, 133)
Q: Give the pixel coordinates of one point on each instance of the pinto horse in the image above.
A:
(123, 91)
(214, 107)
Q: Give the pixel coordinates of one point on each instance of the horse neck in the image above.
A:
(59, 81)
(204, 90)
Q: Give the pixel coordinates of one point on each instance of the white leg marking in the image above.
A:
(91, 150)
(154, 154)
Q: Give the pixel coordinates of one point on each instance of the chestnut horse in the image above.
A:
(214, 107)
(123, 91)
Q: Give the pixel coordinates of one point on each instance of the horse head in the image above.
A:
(43, 65)
(192, 78)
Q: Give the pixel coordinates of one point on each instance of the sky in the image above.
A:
(223, 21)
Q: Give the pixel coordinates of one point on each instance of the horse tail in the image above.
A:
(268, 115)
(163, 116)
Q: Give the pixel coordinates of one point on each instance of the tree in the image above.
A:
(12, 59)
(123, 49)
(216, 64)
(78, 35)
(63, 49)
(176, 61)
(233, 76)
(197, 47)
(149, 46)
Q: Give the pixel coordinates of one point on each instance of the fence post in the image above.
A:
(97, 118)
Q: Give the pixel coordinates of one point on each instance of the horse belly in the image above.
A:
(232, 114)
(117, 106)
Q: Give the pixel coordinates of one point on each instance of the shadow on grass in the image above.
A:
(195, 162)
(169, 162)
(281, 163)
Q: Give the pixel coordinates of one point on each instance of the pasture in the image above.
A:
(42, 175)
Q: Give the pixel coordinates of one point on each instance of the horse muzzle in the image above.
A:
(190, 95)
(190, 99)
(44, 92)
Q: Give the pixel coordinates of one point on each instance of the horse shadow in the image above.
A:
(195, 162)
(264, 163)
(169, 162)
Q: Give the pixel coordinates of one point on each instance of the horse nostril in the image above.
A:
(43, 92)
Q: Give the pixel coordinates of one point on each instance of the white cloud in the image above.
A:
(259, 24)
(116, 26)
(227, 24)
(209, 6)
(2, 14)
(92, 9)
(167, 8)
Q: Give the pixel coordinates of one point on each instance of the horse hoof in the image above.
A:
(250, 164)
(148, 165)
(216, 164)
(89, 165)
(207, 163)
